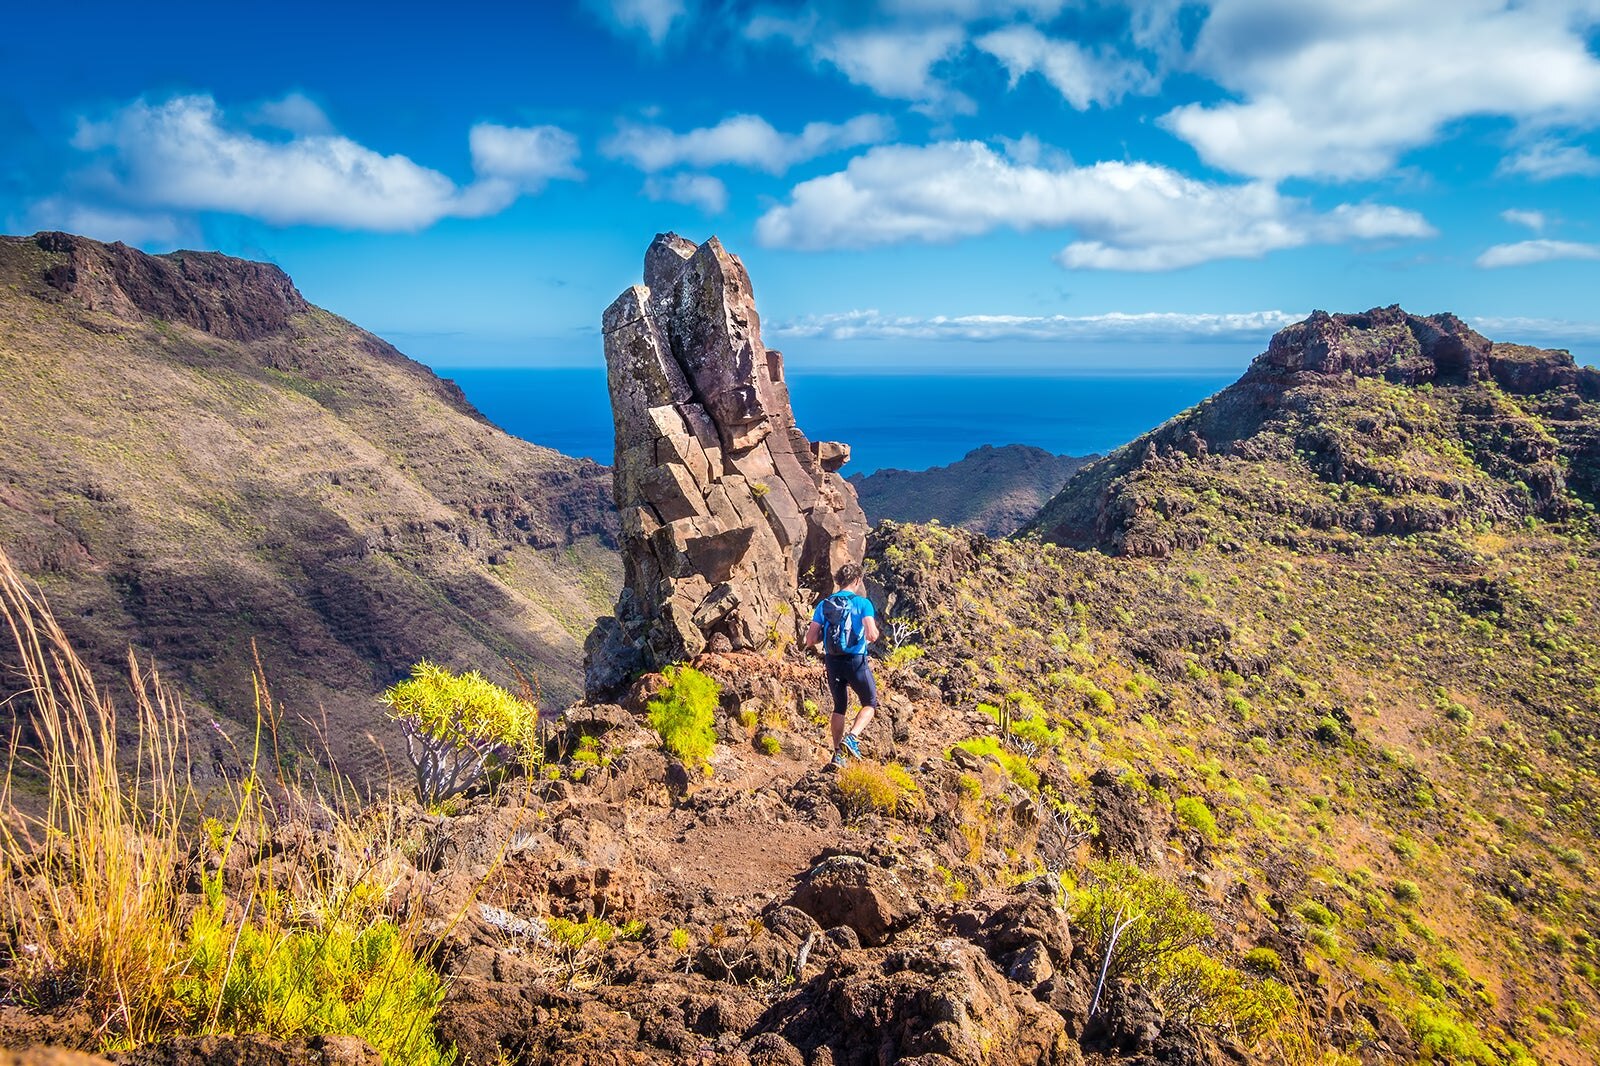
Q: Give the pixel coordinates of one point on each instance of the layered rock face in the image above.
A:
(733, 521)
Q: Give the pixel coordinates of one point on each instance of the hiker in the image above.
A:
(844, 624)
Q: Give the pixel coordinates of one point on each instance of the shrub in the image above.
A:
(684, 713)
(769, 744)
(1160, 948)
(1316, 914)
(459, 728)
(1406, 891)
(1164, 921)
(1262, 961)
(904, 655)
(1442, 1036)
(343, 974)
(1016, 766)
(868, 786)
(1193, 812)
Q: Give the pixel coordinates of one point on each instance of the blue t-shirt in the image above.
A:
(860, 608)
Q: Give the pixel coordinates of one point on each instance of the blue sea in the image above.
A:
(910, 422)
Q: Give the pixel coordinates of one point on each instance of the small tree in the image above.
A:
(458, 728)
(685, 713)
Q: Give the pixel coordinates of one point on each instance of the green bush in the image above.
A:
(1016, 766)
(1164, 921)
(1316, 914)
(1160, 948)
(684, 713)
(1193, 812)
(1406, 891)
(1262, 961)
(459, 728)
(343, 973)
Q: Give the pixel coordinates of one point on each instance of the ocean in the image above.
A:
(905, 421)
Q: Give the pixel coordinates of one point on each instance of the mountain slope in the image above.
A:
(990, 490)
(1381, 422)
(193, 458)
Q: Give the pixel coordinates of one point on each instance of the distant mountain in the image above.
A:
(1374, 423)
(193, 458)
(991, 490)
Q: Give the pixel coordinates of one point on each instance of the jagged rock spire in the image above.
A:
(733, 521)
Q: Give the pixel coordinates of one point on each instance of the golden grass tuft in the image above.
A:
(95, 871)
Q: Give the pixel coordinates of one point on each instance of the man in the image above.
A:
(844, 624)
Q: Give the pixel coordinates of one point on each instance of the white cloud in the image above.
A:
(977, 9)
(1541, 330)
(1523, 253)
(1082, 77)
(1339, 88)
(742, 140)
(896, 62)
(1534, 220)
(699, 190)
(1546, 160)
(1158, 325)
(527, 156)
(653, 18)
(1126, 216)
(295, 112)
(893, 59)
(183, 155)
(142, 228)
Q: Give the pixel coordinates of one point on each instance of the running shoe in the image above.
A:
(850, 745)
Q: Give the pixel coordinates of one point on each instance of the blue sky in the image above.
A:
(1017, 184)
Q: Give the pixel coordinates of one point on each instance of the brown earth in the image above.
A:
(196, 462)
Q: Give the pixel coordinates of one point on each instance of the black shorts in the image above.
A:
(847, 673)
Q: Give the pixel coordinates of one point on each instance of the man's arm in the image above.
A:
(814, 635)
(869, 625)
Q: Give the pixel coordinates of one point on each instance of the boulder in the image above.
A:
(733, 521)
(851, 892)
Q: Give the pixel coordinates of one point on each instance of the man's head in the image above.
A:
(846, 576)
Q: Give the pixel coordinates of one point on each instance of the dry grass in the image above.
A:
(89, 893)
(95, 875)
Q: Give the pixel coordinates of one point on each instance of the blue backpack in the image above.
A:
(841, 624)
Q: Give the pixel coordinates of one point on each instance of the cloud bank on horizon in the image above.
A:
(1130, 138)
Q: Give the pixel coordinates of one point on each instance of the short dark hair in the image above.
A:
(846, 575)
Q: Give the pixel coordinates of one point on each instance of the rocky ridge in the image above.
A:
(1352, 394)
(732, 520)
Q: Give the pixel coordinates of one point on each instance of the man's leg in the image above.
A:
(839, 689)
(866, 688)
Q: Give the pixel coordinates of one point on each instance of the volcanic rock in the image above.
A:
(733, 520)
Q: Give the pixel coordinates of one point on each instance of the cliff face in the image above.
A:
(1382, 422)
(192, 458)
(732, 520)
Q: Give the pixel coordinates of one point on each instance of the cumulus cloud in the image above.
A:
(894, 59)
(1157, 325)
(1125, 216)
(698, 190)
(1334, 89)
(1547, 160)
(295, 112)
(1523, 253)
(742, 140)
(1084, 78)
(183, 155)
(1534, 220)
(143, 228)
(897, 62)
(653, 18)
